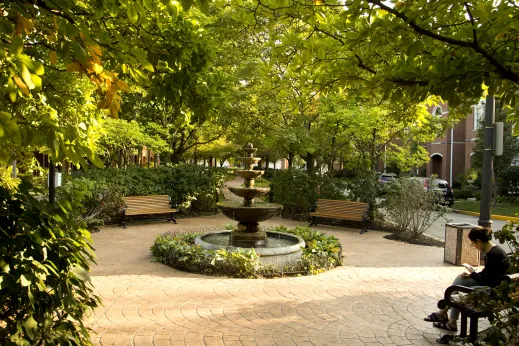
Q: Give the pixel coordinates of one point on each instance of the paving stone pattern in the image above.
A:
(379, 296)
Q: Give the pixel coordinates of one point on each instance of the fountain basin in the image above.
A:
(281, 248)
(249, 192)
(255, 213)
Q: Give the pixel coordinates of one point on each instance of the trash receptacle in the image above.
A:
(458, 248)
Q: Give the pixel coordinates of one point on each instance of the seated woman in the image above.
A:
(496, 264)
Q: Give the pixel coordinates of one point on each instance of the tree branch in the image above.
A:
(505, 72)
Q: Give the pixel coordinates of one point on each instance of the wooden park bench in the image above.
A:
(346, 210)
(468, 310)
(147, 205)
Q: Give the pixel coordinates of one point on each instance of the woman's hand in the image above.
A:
(465, 275)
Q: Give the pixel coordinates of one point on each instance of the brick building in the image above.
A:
(451, 153)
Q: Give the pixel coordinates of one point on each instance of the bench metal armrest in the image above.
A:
(455, 288)
(312, 208)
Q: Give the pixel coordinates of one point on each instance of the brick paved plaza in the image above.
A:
(379, 296)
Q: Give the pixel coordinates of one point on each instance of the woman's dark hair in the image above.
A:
(480, 233)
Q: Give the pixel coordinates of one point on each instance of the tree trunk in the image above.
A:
(290, 160)
(310, 162)
(372, 150)
(266, 162)
(119, 159)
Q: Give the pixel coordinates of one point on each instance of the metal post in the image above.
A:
(485, 208)
(52, 183)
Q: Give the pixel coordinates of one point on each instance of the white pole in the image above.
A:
(452, 146)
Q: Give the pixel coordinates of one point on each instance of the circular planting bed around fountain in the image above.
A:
(319, 252)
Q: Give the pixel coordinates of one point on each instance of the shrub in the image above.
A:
(95, 202)
(502, 310)
(509, 180)
(189, 186)
(322, 252)
(477, 195)
(45, 291)
(411, 207)
(366, 188)
(463, 193)
(297, 190)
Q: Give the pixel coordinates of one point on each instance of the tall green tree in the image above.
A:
(110, 42)
(448, 48)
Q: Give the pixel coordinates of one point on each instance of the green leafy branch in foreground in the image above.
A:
(45, 289)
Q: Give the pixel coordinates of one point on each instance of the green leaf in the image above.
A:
(150, 5)
(79, 52)
(26, 76)
(148, 66)
(186, 4)
(80, 273)
(133, 16)
(16, 46)
(30, 326)
(25, 280)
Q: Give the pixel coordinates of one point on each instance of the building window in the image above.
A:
(437, 111)
(478, 114)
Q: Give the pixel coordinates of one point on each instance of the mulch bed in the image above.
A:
(421, 240)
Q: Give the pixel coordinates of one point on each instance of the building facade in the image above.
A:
(451, 153)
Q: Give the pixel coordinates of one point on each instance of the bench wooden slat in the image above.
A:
(147, 204)
(324, 214)
(341, 209)
(142, 212)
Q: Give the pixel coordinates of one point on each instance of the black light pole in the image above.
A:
(52, 183)
(488, 171)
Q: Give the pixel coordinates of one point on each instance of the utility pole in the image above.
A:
(485, 208)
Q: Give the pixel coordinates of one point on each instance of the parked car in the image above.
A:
(386, 177)
(441, 186)
(384, 180)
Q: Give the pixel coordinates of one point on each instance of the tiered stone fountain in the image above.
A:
(273, 247)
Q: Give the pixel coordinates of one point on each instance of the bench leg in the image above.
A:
(364, 228)
(312, 222)
(171, 218)
(463, 325)
(121, 223)
(473, 329)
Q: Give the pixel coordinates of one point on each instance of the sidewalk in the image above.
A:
(379, 297)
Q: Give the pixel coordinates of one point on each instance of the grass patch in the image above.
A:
(230, 176)
(505, 209)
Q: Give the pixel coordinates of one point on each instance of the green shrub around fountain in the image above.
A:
(322, 252)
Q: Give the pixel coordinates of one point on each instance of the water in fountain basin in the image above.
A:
(222, 239)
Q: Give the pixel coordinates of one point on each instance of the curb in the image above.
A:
(494, 216)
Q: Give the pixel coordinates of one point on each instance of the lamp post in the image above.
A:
(488, 171)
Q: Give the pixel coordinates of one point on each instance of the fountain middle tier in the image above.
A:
(249, 192)
(235, 210)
